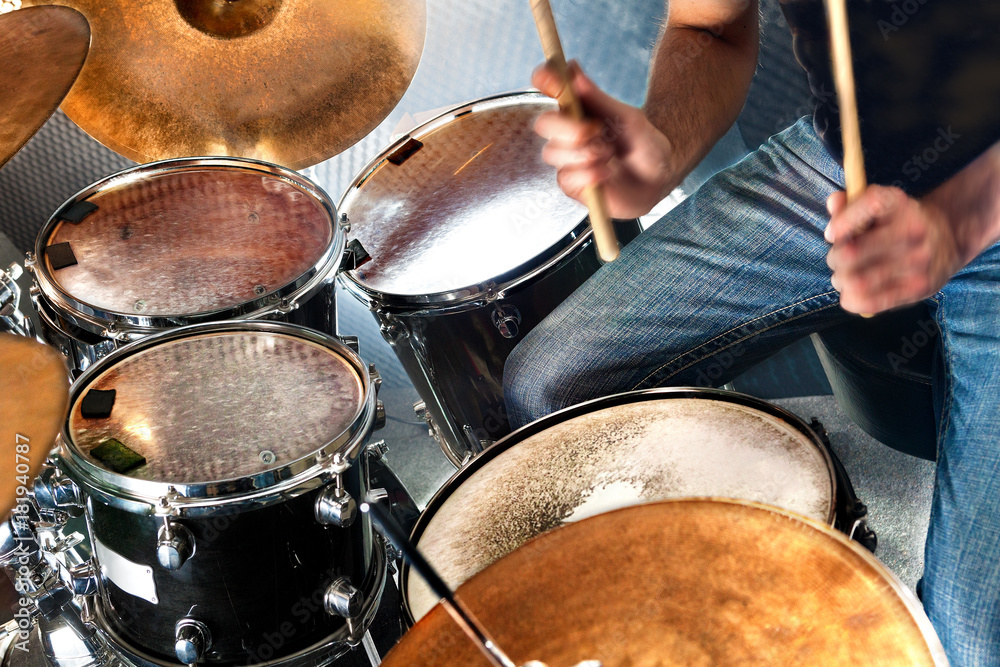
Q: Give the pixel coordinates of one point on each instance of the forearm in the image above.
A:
(970, 201)
(701, 71)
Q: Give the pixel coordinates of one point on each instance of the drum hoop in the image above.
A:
(467, 296)
(626, 398)
(230, 495)
(324, 651)
(129, 326)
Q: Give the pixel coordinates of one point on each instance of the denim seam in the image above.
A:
(739, 340)
(950, 397)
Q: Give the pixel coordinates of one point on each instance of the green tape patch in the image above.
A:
(117, 456)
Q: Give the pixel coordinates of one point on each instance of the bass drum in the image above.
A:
(472, 244)
(618, 451)
(182, 242)
(686, 582)
(219, 466)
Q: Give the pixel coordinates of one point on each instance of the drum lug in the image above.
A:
(343, 599)
(351, 342)
(377, 450)
(192, 640)
(335, 506)
(379, 421)
(345, 222)
(507, 320)
(175, 545)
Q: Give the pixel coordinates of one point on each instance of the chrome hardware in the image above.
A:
(335, 507)
(379, 416)
(53, 491)
(83, 579)
(192, 640)
(345, 222)
(507, 320)
(377, 450)
(342, 599)
(351, 342)
(175, 544)
(267, 457)
(375, 376)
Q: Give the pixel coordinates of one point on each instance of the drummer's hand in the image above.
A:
(889, 249)
(616, 146)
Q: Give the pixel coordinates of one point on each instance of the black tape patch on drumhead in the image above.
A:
(77, 211)
(97, 403)
(404, 152)
(60, 255)
(116, 456)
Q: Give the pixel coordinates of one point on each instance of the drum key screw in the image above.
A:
(140, 306)
(191, 640)
(259, 289)
(345, 223)
(342, 599)
(268, 457)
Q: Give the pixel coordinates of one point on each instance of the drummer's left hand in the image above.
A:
(889, 249)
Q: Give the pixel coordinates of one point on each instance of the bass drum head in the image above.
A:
(685, 582)
(217, 402)
(463, 200)
(616, 452)
(184, 238)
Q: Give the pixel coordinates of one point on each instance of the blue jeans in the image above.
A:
(734, 274)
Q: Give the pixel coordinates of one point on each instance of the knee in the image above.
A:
(526, 376)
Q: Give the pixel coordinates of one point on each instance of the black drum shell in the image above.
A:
(455, 356)
(256, 578)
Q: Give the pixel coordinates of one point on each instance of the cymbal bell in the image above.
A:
(684, 582)
(291, 82)
(34, 398)
(43, 50)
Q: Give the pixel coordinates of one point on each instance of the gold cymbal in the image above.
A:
(286, 81)
(34, 398)
(43, 50)
(684, 582)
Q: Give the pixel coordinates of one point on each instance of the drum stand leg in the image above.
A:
(370, 650)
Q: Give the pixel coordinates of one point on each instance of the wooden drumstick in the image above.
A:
(843, 76)
(604, 231)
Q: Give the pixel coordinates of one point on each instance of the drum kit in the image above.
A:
(196, 412)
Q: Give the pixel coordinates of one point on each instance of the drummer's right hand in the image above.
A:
(616, 146)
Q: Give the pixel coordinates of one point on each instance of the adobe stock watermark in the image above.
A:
(20, 562)
(912, 344)
(917, 165)
(901, 13)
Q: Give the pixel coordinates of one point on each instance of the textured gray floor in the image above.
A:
(896, 487)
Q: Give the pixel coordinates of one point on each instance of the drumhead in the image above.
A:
(470, 202)
(686, 582)
(188, 237)
(656, 447)
(220, 405)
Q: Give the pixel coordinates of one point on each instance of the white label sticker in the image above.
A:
(133, 578)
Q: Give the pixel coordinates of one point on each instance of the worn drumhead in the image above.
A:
(685, 582)
(614, 457)
(188, 241)
(210, 407)
(473, 203)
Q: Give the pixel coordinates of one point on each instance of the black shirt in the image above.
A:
(928, 83)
